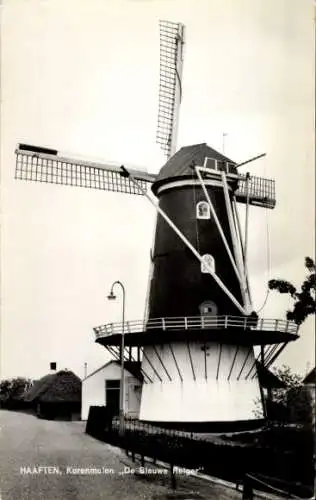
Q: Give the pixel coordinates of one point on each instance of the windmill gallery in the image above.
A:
(193, 353)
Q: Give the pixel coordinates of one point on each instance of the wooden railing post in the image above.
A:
(247, 493)
(173, 478)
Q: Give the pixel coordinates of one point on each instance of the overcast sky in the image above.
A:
(82, 76)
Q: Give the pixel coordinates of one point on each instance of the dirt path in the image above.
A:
(50, 460)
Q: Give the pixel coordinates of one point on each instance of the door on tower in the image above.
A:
(112, 396)
(209, 308)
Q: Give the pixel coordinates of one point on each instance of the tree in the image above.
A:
(12, 391)
(305, 299)
(291, 404)
(291, 381)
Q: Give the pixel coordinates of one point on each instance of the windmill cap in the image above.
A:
(179, 166)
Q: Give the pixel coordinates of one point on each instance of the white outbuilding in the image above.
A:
(102, 388)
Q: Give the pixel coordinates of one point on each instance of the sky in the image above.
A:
(82, 77)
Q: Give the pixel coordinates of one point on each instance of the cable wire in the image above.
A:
(268, 259)
(264, 302)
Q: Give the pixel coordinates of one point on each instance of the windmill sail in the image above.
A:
(258, 190)
(38, 164)
(171, 58)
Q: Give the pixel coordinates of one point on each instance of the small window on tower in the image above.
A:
(203, 210)
(208, 261)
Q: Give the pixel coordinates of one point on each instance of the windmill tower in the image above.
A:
(196, 343)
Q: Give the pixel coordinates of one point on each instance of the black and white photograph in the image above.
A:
(158, 270)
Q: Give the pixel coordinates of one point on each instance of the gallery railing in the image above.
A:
(197, 322)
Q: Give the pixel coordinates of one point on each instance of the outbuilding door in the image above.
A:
(112, 396)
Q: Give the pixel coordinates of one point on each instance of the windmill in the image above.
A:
(196, 342)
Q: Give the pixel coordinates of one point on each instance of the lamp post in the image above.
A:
(112, 296)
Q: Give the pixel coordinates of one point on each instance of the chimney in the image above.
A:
(53, 367)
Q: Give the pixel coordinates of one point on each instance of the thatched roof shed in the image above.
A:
(63, 386)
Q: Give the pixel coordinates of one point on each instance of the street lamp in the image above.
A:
(111, 296)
